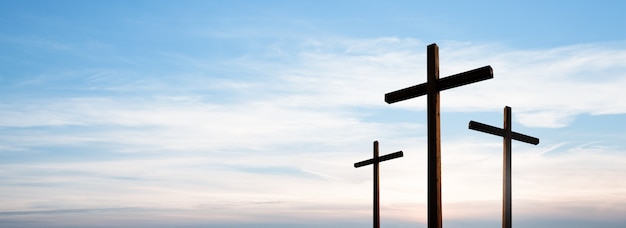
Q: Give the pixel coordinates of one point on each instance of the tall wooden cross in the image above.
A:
(375, 160)
(431, 89)
(507, 135)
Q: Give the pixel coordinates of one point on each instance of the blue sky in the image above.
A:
(251, 114)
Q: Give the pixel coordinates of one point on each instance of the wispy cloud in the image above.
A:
(284, 139)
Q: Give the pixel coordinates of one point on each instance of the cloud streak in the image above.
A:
(282, 145)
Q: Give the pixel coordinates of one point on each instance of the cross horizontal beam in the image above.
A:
(500, 132)
(379, 159)
(449, 82)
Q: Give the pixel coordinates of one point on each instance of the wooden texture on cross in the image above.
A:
(375, 161)
(431, 89)
(507, 135)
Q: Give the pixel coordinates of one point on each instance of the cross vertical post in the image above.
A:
(375, 162)
(431, 89)
(507, 136)
(434, 137)
(507, 194)
(376, 203)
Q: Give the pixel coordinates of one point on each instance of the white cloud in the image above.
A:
(287, 143)
(546, 88)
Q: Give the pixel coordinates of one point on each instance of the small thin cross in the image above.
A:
(507, 136)
(375, 160)
(431, 88)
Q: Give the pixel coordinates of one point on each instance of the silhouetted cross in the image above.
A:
(431, 88)
(375, 160)
(507, 135)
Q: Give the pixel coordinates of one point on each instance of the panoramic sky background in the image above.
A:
(252, 113)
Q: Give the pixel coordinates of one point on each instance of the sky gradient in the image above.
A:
(252, 114)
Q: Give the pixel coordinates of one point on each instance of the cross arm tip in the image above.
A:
(535, 141)
(471, 124)
(487, 71)
(406, 93)
(477, 126)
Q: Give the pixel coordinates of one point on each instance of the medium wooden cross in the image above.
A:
(507, 135)
(375, 160)
(431, 88)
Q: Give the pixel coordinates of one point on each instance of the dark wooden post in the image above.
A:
(507, 135)
(376, 189)
(507, 194)
(431, 89)
(375, 161)
(434, 137)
